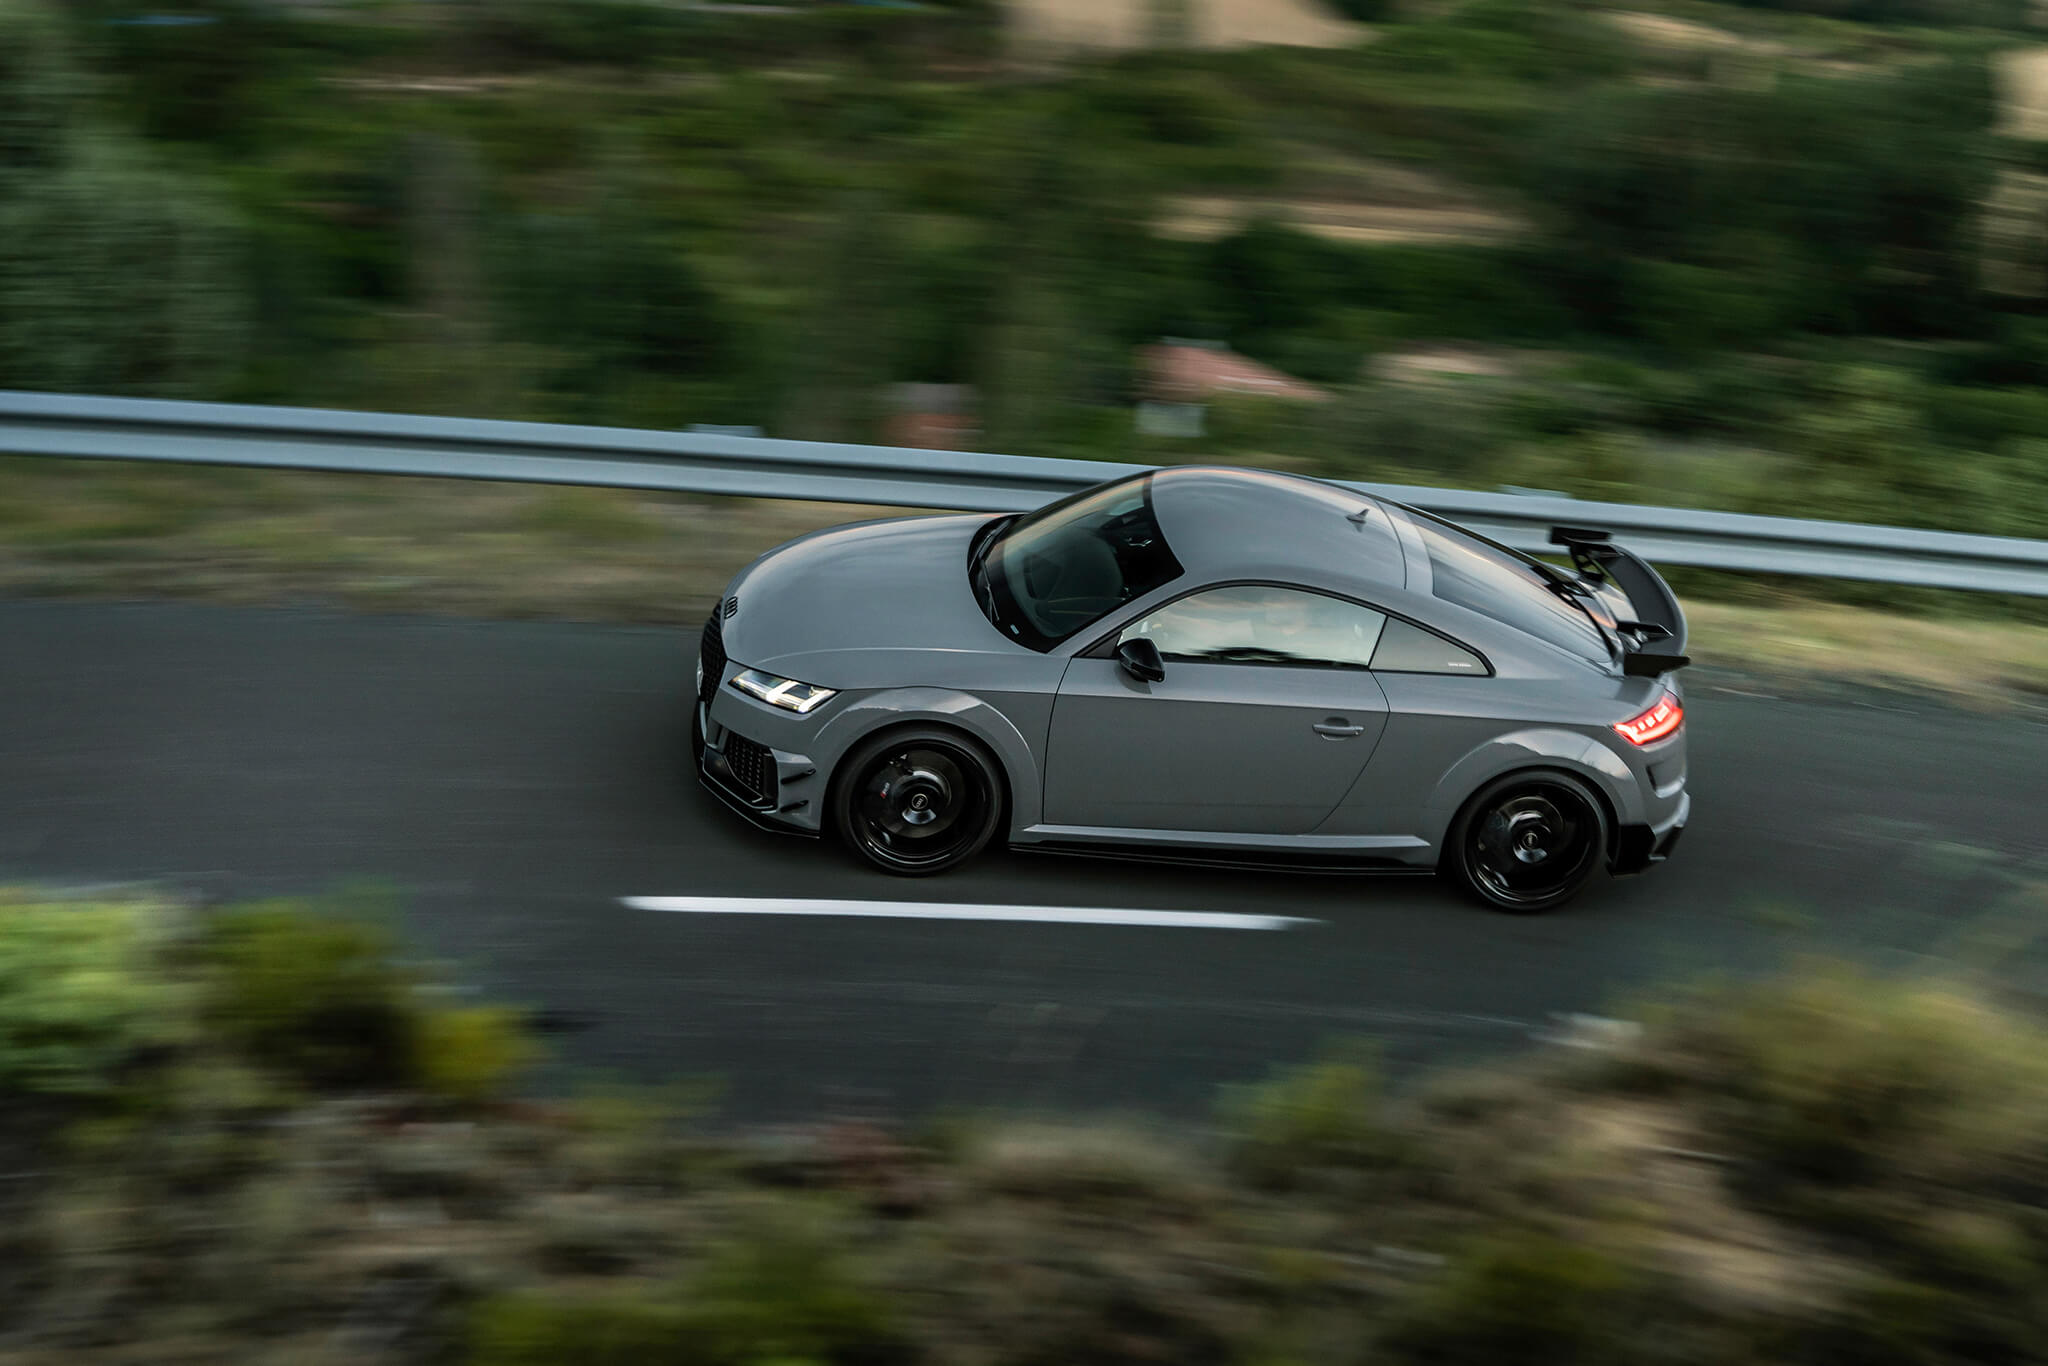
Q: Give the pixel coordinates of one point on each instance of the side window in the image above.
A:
(1256, 624)
(1408, 649)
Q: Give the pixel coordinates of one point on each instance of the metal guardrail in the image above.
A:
(757, 467)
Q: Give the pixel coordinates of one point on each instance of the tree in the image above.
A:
(40, 91)
(116, 278)
(114, 275)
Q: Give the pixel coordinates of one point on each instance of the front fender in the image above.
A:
(946, 707)
(1537, 747)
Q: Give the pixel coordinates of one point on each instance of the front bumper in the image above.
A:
(1637, 847)
(732, 747)
(771, 788)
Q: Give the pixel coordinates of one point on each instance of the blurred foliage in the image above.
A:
(1837, 1077)
(116, 273)
(319, 998)
(1751, 280)
(315, 991)
(2009, 14)
(117, 277)
(780, 1292)
(1828, 1166)
(1307, 1121)
(470, 1053)
(1522, 1300)
(81, 1005)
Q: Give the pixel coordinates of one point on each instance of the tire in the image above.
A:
(917, 801)
(1527, 842)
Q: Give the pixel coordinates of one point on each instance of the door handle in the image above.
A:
(1336, 728)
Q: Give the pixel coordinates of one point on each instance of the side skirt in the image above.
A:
(1239, 859)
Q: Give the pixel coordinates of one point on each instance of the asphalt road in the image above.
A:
(514, 780)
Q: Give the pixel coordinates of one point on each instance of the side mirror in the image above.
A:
(1139, 658)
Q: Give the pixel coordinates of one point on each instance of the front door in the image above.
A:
(1264, 720)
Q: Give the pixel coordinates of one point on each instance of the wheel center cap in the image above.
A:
(920, 802)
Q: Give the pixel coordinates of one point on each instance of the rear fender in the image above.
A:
(941, 707)
(1537, 747)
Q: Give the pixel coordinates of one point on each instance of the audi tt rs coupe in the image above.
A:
(1206, 664)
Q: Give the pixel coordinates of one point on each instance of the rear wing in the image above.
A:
(1653, 641)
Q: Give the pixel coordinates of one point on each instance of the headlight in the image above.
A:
(785, 693)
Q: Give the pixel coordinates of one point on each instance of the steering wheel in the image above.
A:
(1075, 586)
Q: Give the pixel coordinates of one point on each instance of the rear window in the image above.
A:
(1494, 581)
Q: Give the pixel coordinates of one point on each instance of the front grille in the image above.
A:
(713, 657)
(752, 767)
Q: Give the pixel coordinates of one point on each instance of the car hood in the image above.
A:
(826, 607)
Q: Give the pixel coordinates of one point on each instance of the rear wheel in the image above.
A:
(916, 802)
(1527, 842)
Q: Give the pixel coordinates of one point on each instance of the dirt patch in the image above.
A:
(1124, 25)
(1208, 217)
(1352, 199)
(1430, 363)
(2022, 77)
(433, 85)
(1656, 1162)
(1683, 35)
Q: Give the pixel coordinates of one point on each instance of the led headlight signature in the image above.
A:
(785, 693)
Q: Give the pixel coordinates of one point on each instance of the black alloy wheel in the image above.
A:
(1528, 842)
(916, 802)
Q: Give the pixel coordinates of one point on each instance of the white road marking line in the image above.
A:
(927, 910)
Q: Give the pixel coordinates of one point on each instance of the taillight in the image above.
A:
(1659, 721)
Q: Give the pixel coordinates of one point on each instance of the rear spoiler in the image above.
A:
(1654, 642)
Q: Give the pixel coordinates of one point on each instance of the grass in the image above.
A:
(513, 551)
(386, 544)
(1982, 663)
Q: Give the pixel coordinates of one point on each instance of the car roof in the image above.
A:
(1227, 523)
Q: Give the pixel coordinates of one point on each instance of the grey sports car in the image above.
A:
(1205, 664)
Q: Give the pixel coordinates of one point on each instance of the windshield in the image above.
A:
(1491, 579)
(1053, 573)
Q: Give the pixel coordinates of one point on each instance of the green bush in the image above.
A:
(1524, 1300)
(1980, 419)
(1513, 40)
(781, 1294)
(1951, 13)
(217, 78)
(317, 997)
(81, 999)
(469, 1053)
(1305, 1121)
(607, 1330)
(628, 32)
(118, 276)
(1843, 205)
(1839, 1077)
(41, 91)
(786, 1290)
(1367, 11)
(1453, 430)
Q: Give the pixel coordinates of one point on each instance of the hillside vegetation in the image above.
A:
(1772, 257)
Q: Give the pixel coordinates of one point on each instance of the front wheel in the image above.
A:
(916, 802)
(1527, 842)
